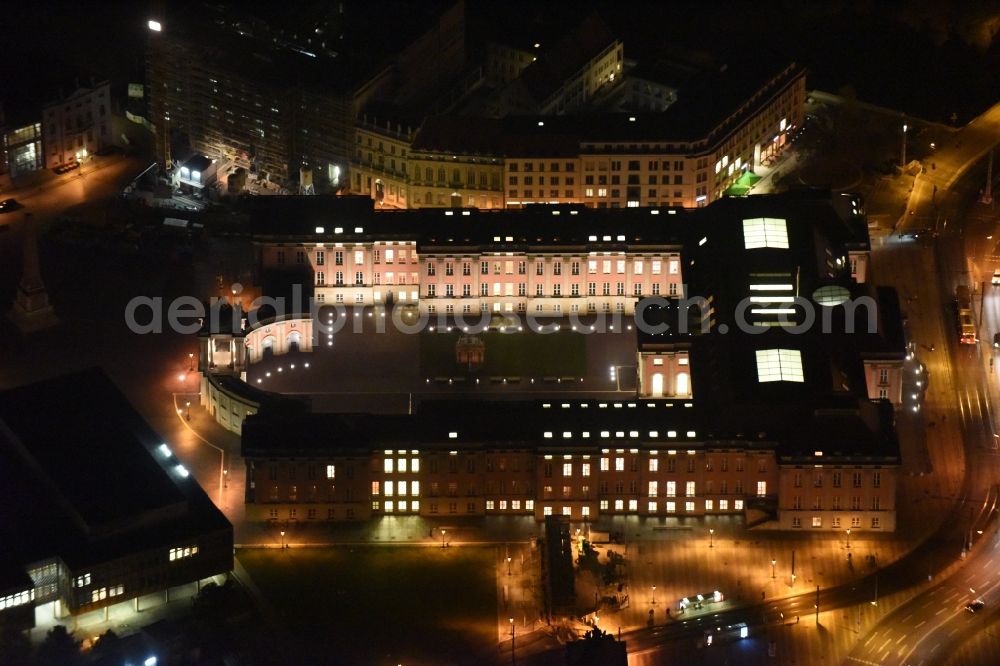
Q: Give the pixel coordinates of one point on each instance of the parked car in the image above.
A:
(996, 278)
(8, 205)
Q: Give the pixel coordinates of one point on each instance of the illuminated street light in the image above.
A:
(508, 566)
(282, 538)
(188, 413)
(773, 562)
(848, 537)
(154, 26)
(654, 595)
(711, 538)
(442, 538)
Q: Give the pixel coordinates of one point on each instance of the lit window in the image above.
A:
(401, 465)
(330, 471)
(654, 464)
(547, 511)
(633, 505)
(415, 488)
(765, 232)
(653, 487)
(389, 506)
(689, 506)
(585, 511)
(709, 504)
(567, 469)
(414, 465)
(375, 487)
(779, 365)
(389, 489)
(761, 488)
(180, 553)
(619, 505)
(401, 488)
(489, 505)
(566, 511)
(585, 471)
(689, 489)
(619, 464)
(604, 464)
(671, 507)
(529, 505)
(388, 465)
(738, 505)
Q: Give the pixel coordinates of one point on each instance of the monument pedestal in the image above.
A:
(32, 311)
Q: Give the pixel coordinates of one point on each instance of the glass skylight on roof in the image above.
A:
(779, 365)
(765, 232)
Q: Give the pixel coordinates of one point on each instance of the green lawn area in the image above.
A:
(382, 604)
(523, 354)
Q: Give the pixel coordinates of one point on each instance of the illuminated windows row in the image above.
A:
(102, 593)
(17, 599)
(391, 465)
(515, 505)
(82, 581)
(401, 488)
(181, 553)
(401, 506)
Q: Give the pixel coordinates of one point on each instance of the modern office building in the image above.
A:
(95, 508)
(21, 137)
(781, 360)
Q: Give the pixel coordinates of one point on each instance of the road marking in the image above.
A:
(901, 639)
(870, 639)
(928, 604)
(907, 618)
(940, 611)
(886, 654)
(921, 624)
(936, 646)
(953, 631)
(887, 641)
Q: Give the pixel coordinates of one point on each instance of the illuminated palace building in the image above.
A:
(756, 402)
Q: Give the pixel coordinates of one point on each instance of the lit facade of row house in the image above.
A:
(601, 161)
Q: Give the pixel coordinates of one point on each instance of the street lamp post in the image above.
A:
(443, 532)
(848, 537)
(282, 539)
(773, 562)
(508, 566)
(191, 362)
(512, 657)
(225, 478)
(711, 538)
(187, 413)
(902, 150)
(654, 595)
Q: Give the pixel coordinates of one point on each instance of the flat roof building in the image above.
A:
(96, 509)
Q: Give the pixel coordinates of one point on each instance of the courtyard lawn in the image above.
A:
(522, 354)
(381, 604)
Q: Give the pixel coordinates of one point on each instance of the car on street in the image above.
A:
(996, 278)
(975, 606)
(8, 205)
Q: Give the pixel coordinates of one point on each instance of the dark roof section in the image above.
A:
(482, 136)
(332, 47)
(542, 78)
(83, 479)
